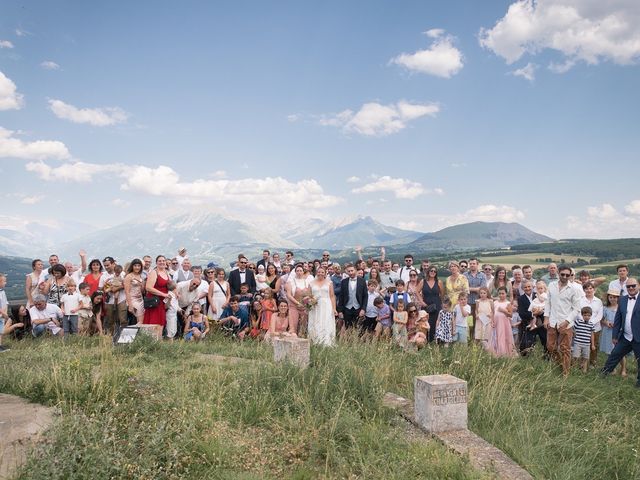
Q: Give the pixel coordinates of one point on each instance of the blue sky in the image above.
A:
(504, 110)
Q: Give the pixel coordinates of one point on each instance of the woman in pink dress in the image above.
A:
(501, 339)
(157, 281)
(298, 286)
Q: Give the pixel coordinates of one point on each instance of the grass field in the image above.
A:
(528, 259)
(160, 411)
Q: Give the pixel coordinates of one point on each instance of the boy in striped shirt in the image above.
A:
(584, 337)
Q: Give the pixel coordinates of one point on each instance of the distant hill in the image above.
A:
(477, 235)
(15, 268)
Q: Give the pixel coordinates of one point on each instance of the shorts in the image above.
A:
(581, 351)
(462, 333)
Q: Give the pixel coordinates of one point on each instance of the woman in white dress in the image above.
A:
(219, 294)
(322, 317)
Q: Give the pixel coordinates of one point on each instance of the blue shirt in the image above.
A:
(242, 314)
(477, 281)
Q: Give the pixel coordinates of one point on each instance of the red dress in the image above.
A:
(94, 283)
(156, 315)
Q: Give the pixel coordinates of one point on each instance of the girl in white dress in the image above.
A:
(322, 317)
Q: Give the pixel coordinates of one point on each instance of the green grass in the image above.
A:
(159, 410)
(521, 259)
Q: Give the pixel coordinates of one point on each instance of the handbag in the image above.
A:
(151, 302)
(430, 308)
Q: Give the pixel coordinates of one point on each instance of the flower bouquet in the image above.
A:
(309, 302)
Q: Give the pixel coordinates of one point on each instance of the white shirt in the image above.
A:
(121, 296)
(404, 273)
(70, 301)
(562, 304)
(617, 285)
(628, 333)
(186, 297)
(50, 311)
(203, 289)
(597, 310)
(388, 279)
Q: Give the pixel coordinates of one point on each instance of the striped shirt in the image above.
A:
(583, 331)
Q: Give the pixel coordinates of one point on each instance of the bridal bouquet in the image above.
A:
(309, 302)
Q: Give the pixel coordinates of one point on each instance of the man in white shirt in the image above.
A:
(406, 270)
(77, 274)
(45, 316)
(146, 267)
(188, 293)
(626, 329)
(184, 273)
(116, 305)
(387, 276)
(620, 283)
(560, 312)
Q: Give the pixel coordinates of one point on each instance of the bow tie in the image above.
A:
(632, 298)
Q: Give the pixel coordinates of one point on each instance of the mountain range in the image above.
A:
(213, 237)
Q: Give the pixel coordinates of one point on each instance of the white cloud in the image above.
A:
(80, 172)
(219, 174)
(32, 200)
(410, 225)
(605, 211)
(492, 213)
(49, 65)
(118, 202)
(579, 30)
(11, 147)
(527, 72)
(6, 44)
(22, 33)
(294, 117)
(458, 165)
(10, 99)
(353, 179)
(99, 117)
(400, 187)
(633, 208)
(374, 119)
(441, 59)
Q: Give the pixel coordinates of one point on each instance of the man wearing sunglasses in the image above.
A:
(560, 312)
(626, 329)
(241, 275)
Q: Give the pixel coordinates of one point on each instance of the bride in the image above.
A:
(322, 317)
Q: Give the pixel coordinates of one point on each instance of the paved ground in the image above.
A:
(21, 423)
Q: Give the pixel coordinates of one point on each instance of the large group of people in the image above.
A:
(506, 312)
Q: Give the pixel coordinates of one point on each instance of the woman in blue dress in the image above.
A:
(606, 337)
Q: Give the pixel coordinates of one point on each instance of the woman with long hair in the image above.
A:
(218, 295)
(298, 286)
(134, 289)
(500, 280)
(156, 286)
(33, 281)
(414, 288)
(19, 324)
(93, 277)
(432, 294)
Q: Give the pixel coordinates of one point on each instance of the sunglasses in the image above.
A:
(413, 311)
(633, 285)
(564, 275)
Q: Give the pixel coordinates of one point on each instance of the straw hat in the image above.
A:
(614, 291)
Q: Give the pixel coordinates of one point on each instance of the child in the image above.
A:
(254, 319)
(461, 311)
(172, 306)
(196, 326)
(422, 329)
(85, 312)
(245, 298)
(371, 312)
(444, 323)
(400, 319)
(70, 303)
(484, 313)
(268, 307)
(501, 343)
(584, 337)
(383, 319)
(261, 279)
(397, 295)
(537, 306)
(515, 322)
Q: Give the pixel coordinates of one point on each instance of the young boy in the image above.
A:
(4, 309)
(172, 306)
(371, 312)
(461, 312)
(70, 303)
(245, 298)
(397, 295)
(516, 321)
(584, 338)
(383, 325)
(85, 311)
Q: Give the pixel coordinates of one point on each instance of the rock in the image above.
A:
(440, 403)
(291, 349)
(21, 423)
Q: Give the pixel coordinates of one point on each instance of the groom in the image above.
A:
(353, 298)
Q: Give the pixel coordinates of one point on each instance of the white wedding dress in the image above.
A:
(322, 323)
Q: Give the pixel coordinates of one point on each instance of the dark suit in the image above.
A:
(624, 346)
(362, 297)
(264, 263)
(234, 281)
(528, 337)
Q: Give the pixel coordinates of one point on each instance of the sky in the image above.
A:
(422, 114)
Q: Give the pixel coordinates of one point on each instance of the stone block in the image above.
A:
(291, 349)
(440, 403)
(154, 331)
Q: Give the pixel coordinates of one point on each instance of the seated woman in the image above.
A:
(196, 326)
(19, 323)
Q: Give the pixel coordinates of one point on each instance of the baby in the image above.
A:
(537, 305)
